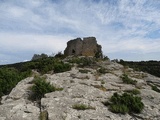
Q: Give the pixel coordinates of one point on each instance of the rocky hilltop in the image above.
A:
(86, 47)
(88, 85)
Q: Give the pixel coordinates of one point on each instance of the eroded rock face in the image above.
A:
(86, 47)
(89, 88)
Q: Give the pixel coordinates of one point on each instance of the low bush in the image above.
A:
(125, 103)
(82, 62)
(82, 107)
(123, 109)
(102, 70)
(41, 87)
(134, 91)
(44, 65)
(128, 80)
(155, 88)
(60, 55)
(61, 67)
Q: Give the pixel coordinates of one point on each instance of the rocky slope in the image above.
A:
(80, 87)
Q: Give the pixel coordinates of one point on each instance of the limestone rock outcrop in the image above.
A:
(16, 105)
(86, 47)
(88, 88)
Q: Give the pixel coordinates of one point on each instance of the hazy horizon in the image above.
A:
(126, 29)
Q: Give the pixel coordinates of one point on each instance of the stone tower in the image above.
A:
(86, 47)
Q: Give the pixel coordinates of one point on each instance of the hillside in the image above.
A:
(152, 67)
(82, 88)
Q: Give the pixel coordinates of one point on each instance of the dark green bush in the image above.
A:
(123, 109)
(9, 77)
(128, 80)
(155, 88)
(102, 70)
(44, 65)
(60, 55)
(105, 57)
(40, 88)
(61, 67)
(125, 103)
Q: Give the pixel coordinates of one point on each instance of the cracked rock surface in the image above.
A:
(89, 88)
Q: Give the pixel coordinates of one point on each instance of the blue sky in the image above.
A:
(126, 29)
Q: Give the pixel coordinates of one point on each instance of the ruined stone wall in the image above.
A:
(86, 47)
(74, 47)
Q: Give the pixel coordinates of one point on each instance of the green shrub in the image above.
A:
(85, 62)
(128, 80)
(40, 88)
(125, 103)
(134, 91)
(105, 57)
(155, 88)
(82, 107)
(44, 65)
(61, 67)
(102, 70)
(9, 77)
(75, 60)
(123, 109)
(82, 62)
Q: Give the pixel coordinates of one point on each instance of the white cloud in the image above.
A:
(46, 25)
(38, 43)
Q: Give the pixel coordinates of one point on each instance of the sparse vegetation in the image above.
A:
(155, 88)
(83, 61)
(84, 71)
(44, 65)
(82, 107)
(128, 80)
(43, 115)
(60, 55)
(133, 91)
(41, 87)
(102, 82)
(125, 103)
(11, 74)
(105, 57)
(100, 87)
(61, 67)
(102, 70)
